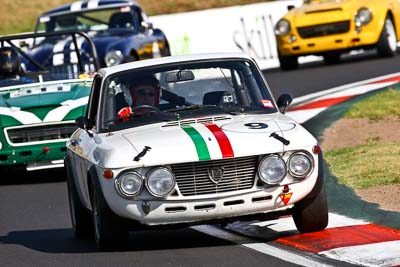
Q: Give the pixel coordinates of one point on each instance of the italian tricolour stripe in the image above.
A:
(201, 144)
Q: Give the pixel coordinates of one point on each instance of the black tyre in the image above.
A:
(331, 58)
(110, 232)
(288, 62)
(82, 223)
(387, 43)
(311, 214)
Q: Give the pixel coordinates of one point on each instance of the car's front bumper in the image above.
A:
(319, 45)
(34, 157)
(216, 207)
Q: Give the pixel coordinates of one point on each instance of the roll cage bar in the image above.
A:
(9, 38)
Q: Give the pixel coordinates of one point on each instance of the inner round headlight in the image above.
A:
(300, 165)
(272, 169)
(1, 145)
(129, 184)
(282, 28)
(113, 58)
(363, 16)
(160, 182)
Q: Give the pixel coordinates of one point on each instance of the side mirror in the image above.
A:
(82, 122)
(147, 25)
(290, 7)
(283, 102)
(24, 44)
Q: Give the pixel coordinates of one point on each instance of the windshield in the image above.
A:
(91, 20)
(177, 92)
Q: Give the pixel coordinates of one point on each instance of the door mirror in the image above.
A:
(82, 122)
(283, 102)
(290, 7)
(147, 25)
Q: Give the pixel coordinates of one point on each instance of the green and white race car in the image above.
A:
(38, 111)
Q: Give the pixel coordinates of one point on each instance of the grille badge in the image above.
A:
(216, 174)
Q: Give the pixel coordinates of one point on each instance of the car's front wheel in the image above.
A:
(387, 43)
(80, 217)
(110, 232)
(311, 214)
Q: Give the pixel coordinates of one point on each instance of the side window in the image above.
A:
(140, 17)
(94, 98)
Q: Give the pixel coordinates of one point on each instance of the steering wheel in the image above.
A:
(146, 107)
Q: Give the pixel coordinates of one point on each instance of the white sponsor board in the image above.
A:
(247, 28)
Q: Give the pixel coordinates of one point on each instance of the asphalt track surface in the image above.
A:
(35, 228)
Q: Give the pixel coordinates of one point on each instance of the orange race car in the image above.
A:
(329, 28)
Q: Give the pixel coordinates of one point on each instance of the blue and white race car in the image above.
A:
(118, 28)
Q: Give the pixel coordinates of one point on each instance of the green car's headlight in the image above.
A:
(363, 17)
(272, 169)
(282, 28)
(300, 165)
(160, 182)
(129, 184)
(113, 58)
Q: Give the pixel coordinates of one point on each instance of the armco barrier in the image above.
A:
(246, 28)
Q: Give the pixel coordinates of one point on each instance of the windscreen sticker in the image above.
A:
(267, 103)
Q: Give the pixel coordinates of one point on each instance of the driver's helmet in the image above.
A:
(145, 91)
(10, 62)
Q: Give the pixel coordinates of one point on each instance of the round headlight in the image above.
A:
(300, 165)
(363, 16)
(272, 170)
(160, 182)
(282, 27)
(113, 58)
(129, 184)
(1, 145)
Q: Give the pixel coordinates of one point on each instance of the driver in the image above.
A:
(142, 97)
(10, 63)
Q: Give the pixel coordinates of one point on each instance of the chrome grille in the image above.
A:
(324, 29)
(40, 133)
(193, 178)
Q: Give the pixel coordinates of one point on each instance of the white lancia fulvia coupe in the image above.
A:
(186, 140)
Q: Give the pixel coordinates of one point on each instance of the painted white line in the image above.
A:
(377, 254)
(302, 116)
(260, 247)
(327, 92)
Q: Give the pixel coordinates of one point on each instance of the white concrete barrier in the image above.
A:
(247, 28)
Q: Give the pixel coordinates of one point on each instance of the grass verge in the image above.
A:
(376, 162)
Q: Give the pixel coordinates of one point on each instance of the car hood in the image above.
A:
(170, 143)
(103, 41)
(325, 12)
(46, 102)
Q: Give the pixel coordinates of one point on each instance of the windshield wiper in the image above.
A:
(192, 107)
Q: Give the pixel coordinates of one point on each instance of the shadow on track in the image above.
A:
(19, 176)
(63, 240)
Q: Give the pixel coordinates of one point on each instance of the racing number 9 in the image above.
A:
(256, 125)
